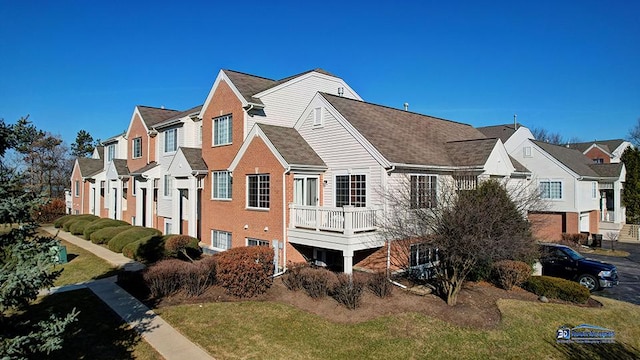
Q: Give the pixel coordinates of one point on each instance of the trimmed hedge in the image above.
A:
(77, 227)
(509, 273)
(75, 218)
(103, 236)
(101, 224)
(245, 271)
(557, 288)
(176, 245)
(61, 220)
(148, 249)
(134, 233)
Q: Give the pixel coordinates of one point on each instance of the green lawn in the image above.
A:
(82, 266)
(265, 330)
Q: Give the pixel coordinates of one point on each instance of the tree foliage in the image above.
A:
(631, 190)
(26, 266)
(555, 138)
(84, 145)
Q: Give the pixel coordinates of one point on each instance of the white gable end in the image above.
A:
(498, 162)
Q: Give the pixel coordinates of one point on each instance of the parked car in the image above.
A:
(564, 262)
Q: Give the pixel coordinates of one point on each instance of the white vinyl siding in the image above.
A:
(168, 184)
(220, 240)
(222, 130)
(221, 185)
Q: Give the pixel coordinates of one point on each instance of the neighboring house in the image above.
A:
(235, 104)
(603, 151)
(81, 194)
(579, 196)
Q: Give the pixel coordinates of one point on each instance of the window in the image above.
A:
(258, 191)
(527, 151)
(466, 182)
(77, 188)
(423, 191)
(351, 190)
(305, 191)
(136, 147)
(221, 185)
(167, 227)
(167, 185)
(170, 140)
(222, 130)
(257, 242)
(220, 240)
(422, 254)
(317, 116)
(111, 152)
(594, 190)
(598, 161)
(200, 134)
(551, 190)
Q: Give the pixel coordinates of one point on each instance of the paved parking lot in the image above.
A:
(628, 271)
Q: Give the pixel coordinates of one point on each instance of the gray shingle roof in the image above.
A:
(470, 152)
(502, 132)
(294, 149)
(607, 170)
(100, 150)
(89, 167)
(607, 145)
(145, 168)
(121, 166)
(180, 115)
(519, 167)
(152, 115)
(194, 158)
(571, 158)
(404, 137)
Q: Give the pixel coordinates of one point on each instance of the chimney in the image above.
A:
(406, 106)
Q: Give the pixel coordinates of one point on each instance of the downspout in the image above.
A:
(284, 221)
(386, 191)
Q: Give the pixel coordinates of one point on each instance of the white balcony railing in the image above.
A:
(609, 216)
(347, 220)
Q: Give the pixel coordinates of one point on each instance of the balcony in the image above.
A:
(334, 228)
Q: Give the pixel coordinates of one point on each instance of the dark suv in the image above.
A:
(562, 261)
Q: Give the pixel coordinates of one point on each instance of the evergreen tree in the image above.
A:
(26, 265)
(84, 145)
(631, 190)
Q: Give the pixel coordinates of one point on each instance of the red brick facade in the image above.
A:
(596, 154)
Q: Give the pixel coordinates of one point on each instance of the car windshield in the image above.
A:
(573, 254)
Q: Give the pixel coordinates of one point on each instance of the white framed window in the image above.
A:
(167, 227)
(221, 185)
(222, 130)
(220, 240)
(317, 116)
(258, 191)
(168, 184)
(111, 152)
(170, 140)
(526, 152)
(551, 190)
(424, 191)
(594, 190)
(257, 242)
(466, 182)
(200, 134)
(77, 186)
(136, 147)
(351, 190)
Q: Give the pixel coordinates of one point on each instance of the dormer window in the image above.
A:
(317, 116)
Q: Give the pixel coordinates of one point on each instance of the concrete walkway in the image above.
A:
(158, 333)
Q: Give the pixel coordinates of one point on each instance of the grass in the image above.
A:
(267, 330)
(82, 266)
(98, 333)
(608, 252)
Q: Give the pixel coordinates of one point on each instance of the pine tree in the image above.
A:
(84, 144)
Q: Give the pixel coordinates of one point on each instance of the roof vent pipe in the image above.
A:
(515, 121)
(406, 106)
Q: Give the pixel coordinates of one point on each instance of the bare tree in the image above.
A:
(545, 135)
(469, 224)
(634, 134)
(613, 236)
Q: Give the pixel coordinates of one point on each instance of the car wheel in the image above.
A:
(589, 281)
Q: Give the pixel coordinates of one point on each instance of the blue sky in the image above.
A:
(571, 67)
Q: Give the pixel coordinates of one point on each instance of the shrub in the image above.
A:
(197, 276)
(245, 271)
(348, 290)
(101, 224)
(557, 288)
(61, 220)
(50, 211)
(164, 278)
(77, 227)
(134, 233)
(380, 285)
(182, 244)
(574, 240)
(151, 248)
(509, 273)
(103, 236)
(292, 279)
(68, 222)
(317, 282)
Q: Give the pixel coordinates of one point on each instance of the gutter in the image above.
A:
(437, 167)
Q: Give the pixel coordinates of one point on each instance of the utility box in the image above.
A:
(597, 240)
(59, 254)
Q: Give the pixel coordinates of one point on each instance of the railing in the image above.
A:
(347, 220)
(634, 231)
(609, 216)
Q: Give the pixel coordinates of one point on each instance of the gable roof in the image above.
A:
(575, 160)
(502, 132)
(194, 158)
(89, 166)
(404, 137)
(152, 115)
(607, 145)
(177, 116)
(145, 168)
(121, 166)
(519, 167)
(470, 152)
(608, 170)
(291, 145)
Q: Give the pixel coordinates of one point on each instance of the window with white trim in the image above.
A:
(351, 190)
(258, 191)
(200, 134)
(221, 185)
(594, 190)
(136, 147)
(527, 152)
(222, 130)
(171, 140)
(168, 184)
(220, 240)
(257, 242)
(423, 191)
(317, 116)
(551, 190)
(111, 152)
(77, 188)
